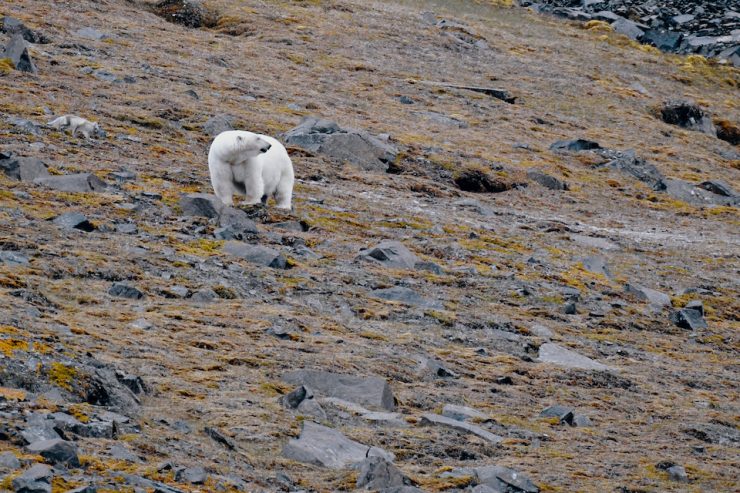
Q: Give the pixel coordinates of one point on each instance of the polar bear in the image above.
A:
(256, 166)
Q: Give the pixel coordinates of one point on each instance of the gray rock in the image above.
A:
(201, 205)
(231, 216)
(687, 115)
(80, 182)
(121, 290)
(505, 480)
(74, 220)
(302, 400)
(376, 473)
(443, 119)
(217, 124)
(541, 331)
(177, 292)
(691, 317)
(38, 427)
(715, 433)
(23, 168)
(36, 479)
(391, 254)
(119, 452)
(546, 180)
(11, 26)
(256, 254)
(435, 419)
(23, 126)
(192, 475)
(354, 146)
(204, 295)
(606, 16)
(431, 366)
(653, 297)
(12, 258)
(127, 228)
(372, 392)
(17, 52)
(462, 413)
(628, 162)
(564, 414)
(678, 473)
(91, 33)
(662, 39)
(84, 489)
(326, 447)
(628, 28)
(594, 242)
(693, 194)
(146, 484)
(9, 462)
(430, 267)
(570, 308)
(574, 145)
(407, 296)
(718, 187)
(597, 265)
(558, 355)
(56, 451)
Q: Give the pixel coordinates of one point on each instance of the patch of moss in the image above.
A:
(9, 346)
(62, 375)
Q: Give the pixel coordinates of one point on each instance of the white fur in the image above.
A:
(238, 165)
(76, 123)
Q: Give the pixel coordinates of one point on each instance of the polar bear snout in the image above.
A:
(265, 148)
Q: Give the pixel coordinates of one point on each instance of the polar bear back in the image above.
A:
(276, 165)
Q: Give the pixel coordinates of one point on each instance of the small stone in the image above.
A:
(201, 204)
(176, 292)
(372, 392)
(80, 182)
(91, 33)
(574, 145)
(689, 318)
(36, 479)
(74, 220)
(390, 254)
(597, 265)
(435, 368)
(127, 228)
(204, 295)
(427, 419)
(564, 414)
(558, 355)
(376, 473)
(462, 413)
(655, 298)
(257, 254)
(541, 331)
(217, 124)
(407, 296)
(119, 452)
(9, 462)
(56, 451)
(678, 473)
(11, 25)
(121, 290)
(628, 28)
(570, 308)
(18, 55)
(546, 180)
(23, 168)
(405, 100)
(326, 447)
(12, 258)
(192, 475)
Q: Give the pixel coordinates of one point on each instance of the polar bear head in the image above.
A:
(248, 144)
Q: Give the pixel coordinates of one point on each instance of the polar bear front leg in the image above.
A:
(254, 185)
(223, 186)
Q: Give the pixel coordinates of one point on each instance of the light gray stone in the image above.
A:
(558, 355)
(327, 447)
(653, 297)
(462, 413)
(391, 254)
(373, 392)
(36, 479)
(80, 182)
(435, 419)
(376, 473)
(56, 451)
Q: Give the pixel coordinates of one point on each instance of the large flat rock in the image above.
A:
(372, 392)
(558, 355)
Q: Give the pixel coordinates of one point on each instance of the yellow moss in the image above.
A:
(12, 394)
(598, 26)
(42, 348)
(61, 485)
(274, 389)
(373, 335)
(444, 317)
(62, 375)
(442, 484)
(9, 346)
(200, 247)
(80, 412)
(6, 65)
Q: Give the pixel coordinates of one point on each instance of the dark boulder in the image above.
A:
(23, 168)
(686, 114)
(17, 52)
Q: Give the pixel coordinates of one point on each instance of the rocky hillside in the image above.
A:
(512, 263)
